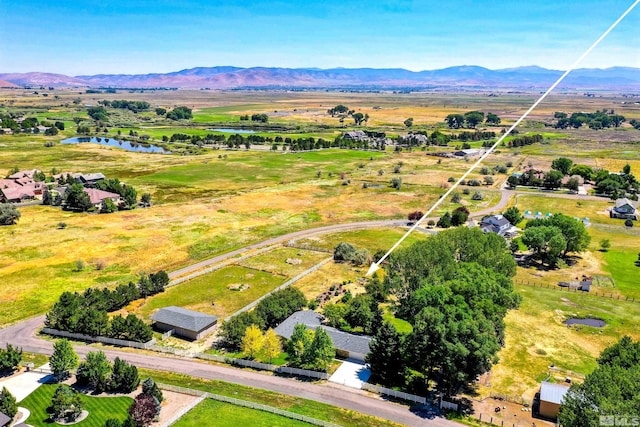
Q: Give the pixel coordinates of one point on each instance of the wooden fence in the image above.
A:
(609, 295)
(246, 404)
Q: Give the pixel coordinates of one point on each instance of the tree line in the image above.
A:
(598, 120)
(135, 106)
(521, 141)
(86, 313)
(471, 119)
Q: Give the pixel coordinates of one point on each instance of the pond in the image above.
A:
(230, 130)
(596, 323)
(110, 142)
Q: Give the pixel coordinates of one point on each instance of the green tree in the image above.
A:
(409, 122)
(605, 244)
(66, 404)
(358, 118)
(124, 377)
(586, 172)
(8, 404)
(473, 118)
(77, 199)
(513, 215)
(386, 356)
(234, 329)
(459, 216)
(279, 305)
(95, 371)
(151, 388)
(611, 389)
(320, 352)
(492, 119)
(145, 199)
(513, 181)
(334, 313)
(444, 221)
(562, 164)
(130, 197)
(546, 242)
(180, 113)
(573, 231)
(455, 121)
(553, 179)
(358, 312)
(108, 206)
(298, 344)
(10, 358)
(63, 360)
(9, 215)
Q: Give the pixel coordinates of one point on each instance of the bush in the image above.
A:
(396, 183)
(477, 196)
(9, 215)
(628, 223)
(278, 306)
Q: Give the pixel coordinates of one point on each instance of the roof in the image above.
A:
(341, 340)
(497, 220)
(97, 196)
(553, 393)
(183, 318)
(92, 176)
(4, 419)
(625, 201)
(23, 174)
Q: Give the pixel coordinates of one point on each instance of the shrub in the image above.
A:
(628, 223)
(477, 196)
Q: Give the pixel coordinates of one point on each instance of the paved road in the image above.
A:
(23, 335)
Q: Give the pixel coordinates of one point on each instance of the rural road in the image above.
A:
(24, 335)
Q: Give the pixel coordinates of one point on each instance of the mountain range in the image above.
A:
(227, 77)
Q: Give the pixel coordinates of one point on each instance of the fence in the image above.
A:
(112, 341)
(246, 404)
(284, 285)
(264, 366)
(293, 244)
(171, 421)
(394, 393)
(448, 405)
(609, 295)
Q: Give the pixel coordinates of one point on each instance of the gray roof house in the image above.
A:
(356, 135)
(625, 209)
(551, 396)
(4, 419)
(186, 323)
(497, 224)
(347, 345)
(90, 178)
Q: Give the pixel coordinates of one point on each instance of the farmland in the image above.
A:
(212, 200)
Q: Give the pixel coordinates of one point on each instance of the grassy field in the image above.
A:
(321, 411)
(198, 294)
(228, 415)
(536, 337)
(100, 408)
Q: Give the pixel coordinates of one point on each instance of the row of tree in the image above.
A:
(525, 140)
(598, 120)
(135, 106)
(87, 313)
(269, 313)
(471, 119)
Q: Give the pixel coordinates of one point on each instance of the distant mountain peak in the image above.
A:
(229, 77)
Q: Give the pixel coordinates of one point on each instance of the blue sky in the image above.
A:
(90, 37)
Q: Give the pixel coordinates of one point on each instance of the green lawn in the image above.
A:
(321, 411)
(100, 408)
(199, 293)
(228, 415)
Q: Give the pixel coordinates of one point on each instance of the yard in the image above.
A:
(228, 415)
(100, 408)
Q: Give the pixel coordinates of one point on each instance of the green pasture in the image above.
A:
(199, 293)
(321, 411)
(276, 261)
(228, 415)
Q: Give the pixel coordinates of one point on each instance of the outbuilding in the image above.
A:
(185, 323)
(551, 396)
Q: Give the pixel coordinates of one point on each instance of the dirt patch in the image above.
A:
(511, 414)
(173, 403)
(293, 261)
(239, 287)
(569, 302)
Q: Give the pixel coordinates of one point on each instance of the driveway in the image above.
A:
(351, 374)
(23, 384)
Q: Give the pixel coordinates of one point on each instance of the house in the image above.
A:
(350, 346)
(625, 209)
(24, 174)
(469, 152)
(4, 420)
(21, 186)
(97, 197)
(413, 139)
(88, 179)
(356, 135)
(551, 396)
(185, 323)
(6, 131)
(497, 224)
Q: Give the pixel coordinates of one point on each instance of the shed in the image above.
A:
(186, 323)
(350, 346)
(551, 396)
